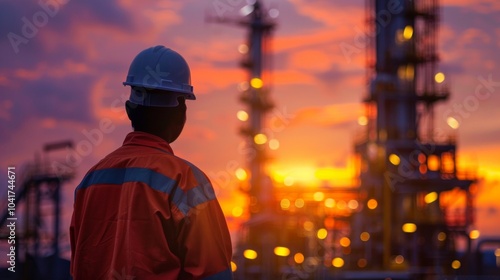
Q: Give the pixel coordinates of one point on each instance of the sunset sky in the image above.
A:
(62, 66)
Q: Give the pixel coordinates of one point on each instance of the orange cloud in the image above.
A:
(207, 78)
(311, 60)
(474, 36)
(48, 123)
(67, 68)
(30, 75)
(222, 49)
(328, 115)
(198, 132)
(107, 99)
(300, 41)
(292, 76)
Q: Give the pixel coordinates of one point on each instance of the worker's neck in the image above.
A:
(165, 135)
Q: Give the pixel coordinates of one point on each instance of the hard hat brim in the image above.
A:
(187, 91)
(155, 98)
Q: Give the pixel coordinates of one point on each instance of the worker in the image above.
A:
(142, 212)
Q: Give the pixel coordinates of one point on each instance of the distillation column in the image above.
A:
(404, 169)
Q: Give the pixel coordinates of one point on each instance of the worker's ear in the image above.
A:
(130, 108)
(132, 112)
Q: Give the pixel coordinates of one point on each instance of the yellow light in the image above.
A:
(447, 162)
(474, 234)
(409, 227)
(319, 196)
(308, 225)
(250, 254)
(353, 204)
(281, 251)
(410, 72)
(455, 264)
(452, 122)
(322, 233)
(431, 197)
(299, 203)
(399, 259)
(243, 48)
(394, 159)
(439, 77)
(274, 144)
(433, 162)
(330, 202)
(325, 174)
(288, 181)
(260, 139)
(406, 72)
(408, 32)
(497, 252)
(285, 203)
(441, 236)
(256, 83)
(345, 242)
(497, 255)
(372, 203)
(364, 236)
(233, 266)
(338, 262)
(298, 258)
(237, 212)
(362, 120)
(242, 115)
(401, 72)
(241, 174)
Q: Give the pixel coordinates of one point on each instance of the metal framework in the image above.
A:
(38, 231)
(409, 172)
(412, 206)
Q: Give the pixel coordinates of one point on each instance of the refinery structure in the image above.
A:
(38, 203)
(409, 216)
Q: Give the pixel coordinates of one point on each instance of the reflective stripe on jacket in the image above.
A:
(143, 213)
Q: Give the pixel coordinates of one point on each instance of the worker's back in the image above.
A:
(142, 212)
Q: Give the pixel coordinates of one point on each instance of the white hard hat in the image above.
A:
(158, 76)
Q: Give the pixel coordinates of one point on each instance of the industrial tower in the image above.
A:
(255, 96)
(412, 205)
(258, 233)
(408, 172)
(37, 212)
(259, 229)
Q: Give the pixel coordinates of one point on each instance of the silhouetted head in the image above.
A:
(165, 122)
(160, 82)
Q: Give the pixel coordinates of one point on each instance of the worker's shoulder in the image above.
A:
(149, 157)
(197, 172)
(156, 160)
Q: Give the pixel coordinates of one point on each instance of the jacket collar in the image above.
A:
(139, 138)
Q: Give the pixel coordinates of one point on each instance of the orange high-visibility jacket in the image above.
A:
(143, 213)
